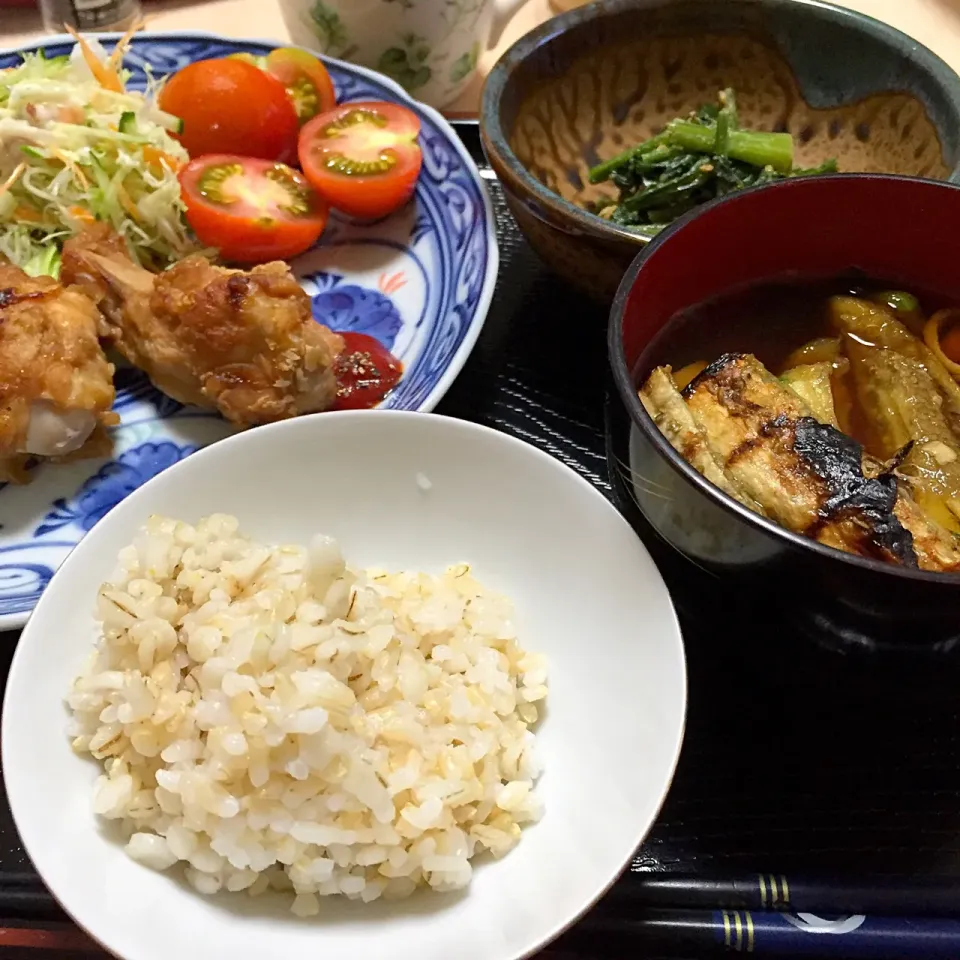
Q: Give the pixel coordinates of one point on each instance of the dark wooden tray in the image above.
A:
(796, 759)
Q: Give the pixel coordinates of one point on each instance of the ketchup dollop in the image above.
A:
(366, 372)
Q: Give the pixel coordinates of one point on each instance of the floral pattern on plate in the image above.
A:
(420, 281)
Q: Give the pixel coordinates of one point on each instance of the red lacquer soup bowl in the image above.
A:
(904, 232)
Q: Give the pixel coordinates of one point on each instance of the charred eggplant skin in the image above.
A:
(838, 460)
(710, 371)
(852, 511)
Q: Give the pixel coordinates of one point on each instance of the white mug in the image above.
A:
(430, 47)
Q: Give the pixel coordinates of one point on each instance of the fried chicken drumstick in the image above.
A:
(242, 342)
(56, 386)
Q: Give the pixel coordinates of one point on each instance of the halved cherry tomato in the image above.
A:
(251, 210)
(228, 106)
(363, 157)
(303, 76)
(306, 79)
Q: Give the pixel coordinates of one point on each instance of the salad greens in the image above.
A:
(693, 161)
(77, 147)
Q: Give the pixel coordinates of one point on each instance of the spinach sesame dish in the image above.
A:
(691, 161)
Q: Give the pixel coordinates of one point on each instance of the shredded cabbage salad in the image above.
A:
(77, 147)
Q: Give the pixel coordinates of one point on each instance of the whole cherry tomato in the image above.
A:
(303, 76)
(228, 106)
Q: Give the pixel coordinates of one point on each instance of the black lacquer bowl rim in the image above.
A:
(495, 138)
(626, 387)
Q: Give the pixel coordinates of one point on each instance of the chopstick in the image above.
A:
(675, 932)
(62, 938)
(882, 896)
(24, 898)
(772, 934)
(775, 915)
(900, 918)
(70, 942)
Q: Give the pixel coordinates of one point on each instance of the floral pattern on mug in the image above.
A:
(331, 32)
(464, 65)
(431, 48)
(407, 64)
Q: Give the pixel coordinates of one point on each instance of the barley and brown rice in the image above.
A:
(271, 718)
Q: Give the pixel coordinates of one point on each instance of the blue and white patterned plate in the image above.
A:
(420, 281)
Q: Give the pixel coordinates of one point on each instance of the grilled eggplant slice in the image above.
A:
(811, 383)
(936, 547)
(870, 323)
(756, 439)
(807, 475)
(819, 350)
(900, 392)
(666, 407)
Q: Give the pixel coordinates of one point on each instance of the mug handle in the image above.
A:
(503, 10)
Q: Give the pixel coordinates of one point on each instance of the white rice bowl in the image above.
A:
(400, 492)
(270, 718)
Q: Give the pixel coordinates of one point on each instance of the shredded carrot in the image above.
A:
(104, 74)
(70, 114)
(116, 58)
(157, 158)
(70, 165)
(25, 212)
(941, 342)
(82, 214)
(127, 202)
(950, 344)
(13, 178)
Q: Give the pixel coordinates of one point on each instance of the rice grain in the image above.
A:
(269, 718)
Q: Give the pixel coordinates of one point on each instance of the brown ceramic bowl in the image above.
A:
(588, 84)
